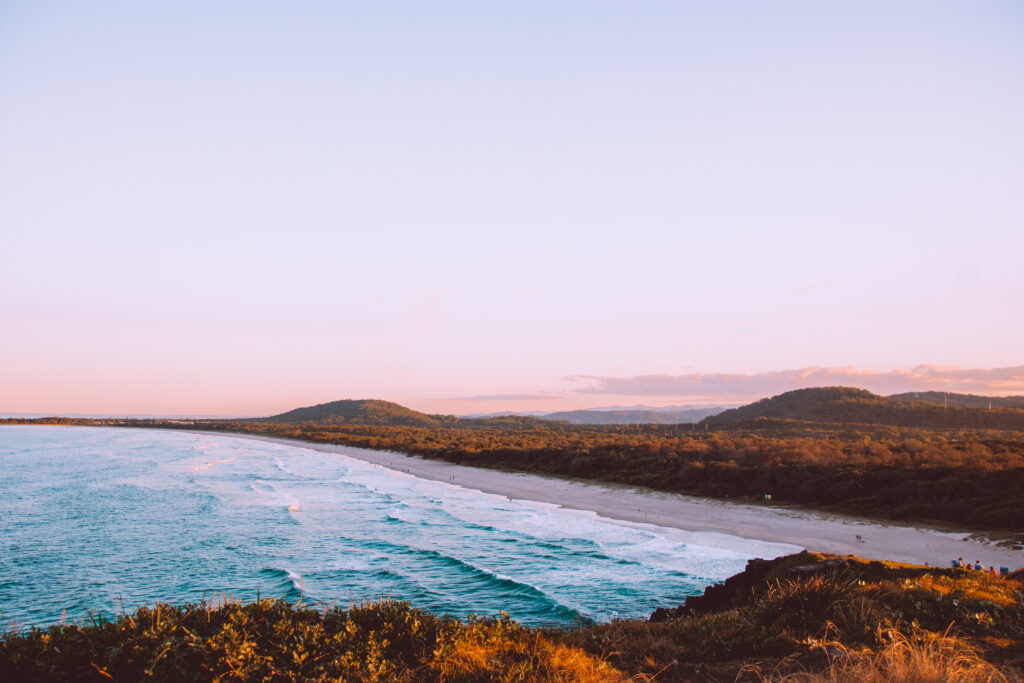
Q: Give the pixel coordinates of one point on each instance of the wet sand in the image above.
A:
(815, 531)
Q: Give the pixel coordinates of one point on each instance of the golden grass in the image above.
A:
(867, 622)
(795, 623)
(501, 650)
(920, 658)
(968, 585)
(271, 640)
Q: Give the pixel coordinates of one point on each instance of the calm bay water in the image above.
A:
(93, 518)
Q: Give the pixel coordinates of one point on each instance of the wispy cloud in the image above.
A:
(989, 381)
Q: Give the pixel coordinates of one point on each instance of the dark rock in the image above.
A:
(720, 596)
(661, 614)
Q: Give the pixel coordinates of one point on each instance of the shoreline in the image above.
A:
(816, 531)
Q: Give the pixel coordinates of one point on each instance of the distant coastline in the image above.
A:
(817, 531)
(945, 461)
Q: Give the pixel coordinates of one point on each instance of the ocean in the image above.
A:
(99, 520)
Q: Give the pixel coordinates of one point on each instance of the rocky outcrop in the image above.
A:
(723, 595)
(738, 589)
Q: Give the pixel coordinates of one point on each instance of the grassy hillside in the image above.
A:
(806, 617)
(846, 405)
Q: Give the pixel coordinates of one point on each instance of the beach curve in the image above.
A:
(813, 530)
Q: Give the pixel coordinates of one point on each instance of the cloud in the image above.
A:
(988, 381)
(502, 397)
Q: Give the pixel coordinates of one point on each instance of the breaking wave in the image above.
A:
(98, 512)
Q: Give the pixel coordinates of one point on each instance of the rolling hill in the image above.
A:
(364, 412)
(846, 405)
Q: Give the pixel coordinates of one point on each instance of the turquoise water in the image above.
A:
(94, 518)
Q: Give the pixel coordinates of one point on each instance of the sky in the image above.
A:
(237, 208)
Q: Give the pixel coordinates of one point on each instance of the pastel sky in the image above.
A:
(236, 208)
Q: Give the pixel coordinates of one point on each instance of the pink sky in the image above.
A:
(154, 394)
(237, 208)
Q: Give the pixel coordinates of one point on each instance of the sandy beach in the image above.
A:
(819, 532)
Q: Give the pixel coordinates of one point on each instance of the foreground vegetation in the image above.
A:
(813, 617)
(801, 618)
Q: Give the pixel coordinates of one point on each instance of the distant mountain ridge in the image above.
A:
(377, 412)
(632, 416)
(847, 405)
(611, 415)
(841, 405)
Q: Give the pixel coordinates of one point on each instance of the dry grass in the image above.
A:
(920, 658)
(273, 640)
(869, 622)
(966, 585)
(836, 622)
(503, 651)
